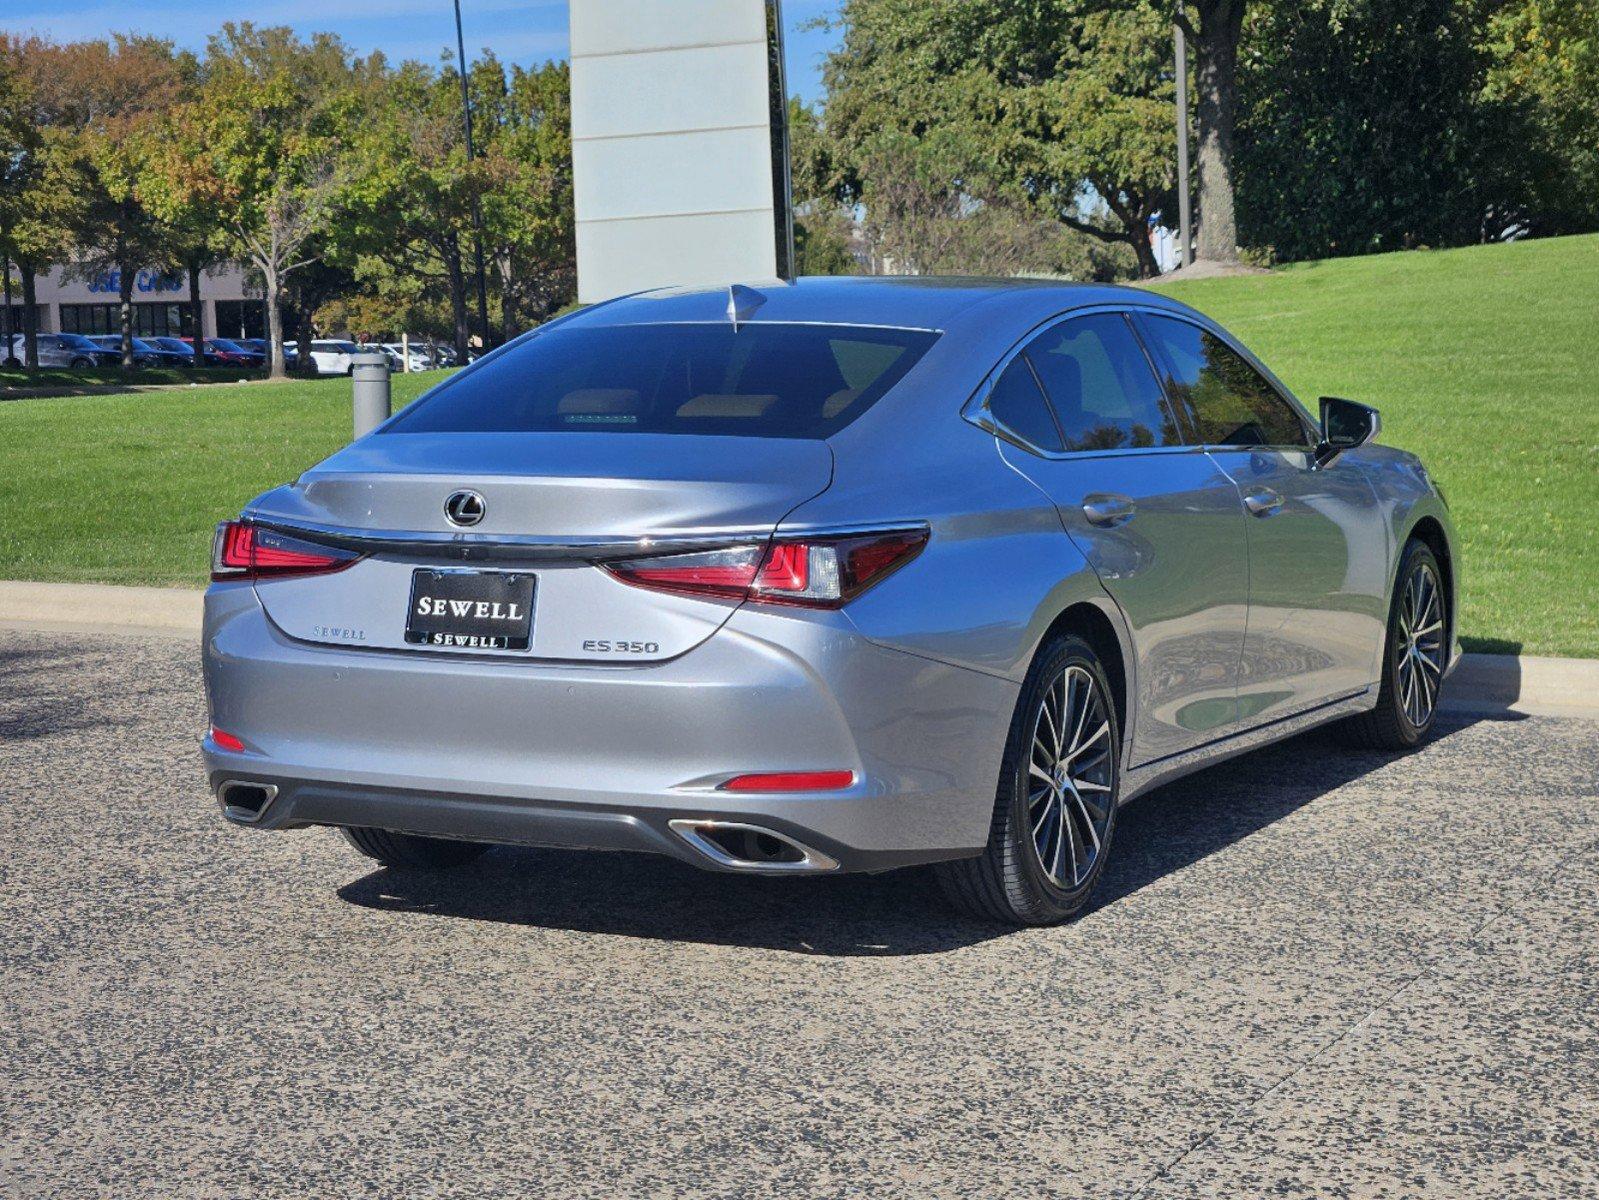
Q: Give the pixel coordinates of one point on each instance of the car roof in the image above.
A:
(942, 303)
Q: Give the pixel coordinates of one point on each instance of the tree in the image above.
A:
(1214, 29)
(261, 148)
(42, 181)
(19, 142)
(1372, 125)
(118, 89)
(525, 127)
(1543, 63)
(411, 192)
(1062, 105)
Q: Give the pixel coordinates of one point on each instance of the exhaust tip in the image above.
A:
(244, 802)
(739, 846)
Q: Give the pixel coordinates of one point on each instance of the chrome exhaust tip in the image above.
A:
(739, 846)
(245, 802)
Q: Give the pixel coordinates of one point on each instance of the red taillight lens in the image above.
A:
(243, 551)
(791, 781)
(226, 741)
(815, 573)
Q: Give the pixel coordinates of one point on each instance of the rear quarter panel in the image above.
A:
(998, 568)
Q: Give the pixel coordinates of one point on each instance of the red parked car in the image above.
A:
(226, 353)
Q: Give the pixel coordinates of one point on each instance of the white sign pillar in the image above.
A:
(679, 144)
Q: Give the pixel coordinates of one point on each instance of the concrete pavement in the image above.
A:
(1313, 972)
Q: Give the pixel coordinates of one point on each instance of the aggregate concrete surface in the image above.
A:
(1311, 972)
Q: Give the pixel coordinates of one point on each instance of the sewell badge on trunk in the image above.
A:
(470, 610)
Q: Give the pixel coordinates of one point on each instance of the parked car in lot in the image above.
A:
(332, 356)
(420, 356)
(291, 350)
(145, 353)
(234, 354)
(851, 574)
(61, 350)
(183, 346)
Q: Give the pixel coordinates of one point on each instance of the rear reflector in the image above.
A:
(791, 781)
(822, 572)
(226, 741)
(242, 551)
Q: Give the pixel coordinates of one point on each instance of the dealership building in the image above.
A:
(72, 300)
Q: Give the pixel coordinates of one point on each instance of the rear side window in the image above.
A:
(1229, 402)
(1018, 405)
(1101, 384)
(761, 380)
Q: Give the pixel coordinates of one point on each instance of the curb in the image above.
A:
(101, 608)
(1482, 683)
(1555, 687)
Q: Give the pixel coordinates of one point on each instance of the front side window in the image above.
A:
(1101, 385)
(1229, 403)
(760, 380)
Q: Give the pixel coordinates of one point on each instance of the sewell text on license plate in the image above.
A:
(470, 610)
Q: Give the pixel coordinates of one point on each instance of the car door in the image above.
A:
(1080, 413)
(1318, 547)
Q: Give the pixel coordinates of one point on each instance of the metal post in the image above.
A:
(370, 376)
(1185, 236)
(405, 354)
(477, 208)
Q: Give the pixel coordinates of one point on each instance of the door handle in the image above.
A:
(1263, 502)
(1108, 510)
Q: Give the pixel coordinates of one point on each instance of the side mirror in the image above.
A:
(1344, 425)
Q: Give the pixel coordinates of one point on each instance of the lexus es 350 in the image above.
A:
(842, 575)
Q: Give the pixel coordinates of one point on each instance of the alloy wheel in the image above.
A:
(1420, 646)
(1070, 778)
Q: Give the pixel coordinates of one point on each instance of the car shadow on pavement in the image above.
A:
(895, 913)
(35, 703)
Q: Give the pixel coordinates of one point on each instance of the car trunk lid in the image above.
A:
(553, 504)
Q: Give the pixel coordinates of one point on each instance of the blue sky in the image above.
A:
(522, 31)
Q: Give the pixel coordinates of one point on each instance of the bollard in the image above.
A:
(370, 374)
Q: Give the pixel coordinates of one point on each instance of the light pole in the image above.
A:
(477, 210)
(1185, 243)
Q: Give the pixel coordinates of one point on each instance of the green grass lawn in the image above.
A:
(16, 378)
(1485, 361)
(1482, 360)
(127, 489)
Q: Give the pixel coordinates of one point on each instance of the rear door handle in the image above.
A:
(1103, 508)
(1263, 502)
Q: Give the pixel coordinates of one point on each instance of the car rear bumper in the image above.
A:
(608, 757)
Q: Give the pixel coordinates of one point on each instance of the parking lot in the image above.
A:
(1312, 972)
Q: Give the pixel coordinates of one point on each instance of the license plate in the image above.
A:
(470, 610)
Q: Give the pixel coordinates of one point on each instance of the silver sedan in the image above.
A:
(849, 574)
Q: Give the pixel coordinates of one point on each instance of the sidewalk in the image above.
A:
(1483, 683)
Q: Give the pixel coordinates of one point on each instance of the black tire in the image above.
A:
(1392, 725)
(409, 850)
(79, 363)
(1008, 882)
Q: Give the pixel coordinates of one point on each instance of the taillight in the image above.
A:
(242, 551)
(812, 572)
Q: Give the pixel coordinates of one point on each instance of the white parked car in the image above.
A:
(332, 356)
(398, 351)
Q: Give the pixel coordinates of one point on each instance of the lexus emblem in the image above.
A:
(464, 508)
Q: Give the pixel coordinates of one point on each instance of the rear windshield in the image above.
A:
(786, 381)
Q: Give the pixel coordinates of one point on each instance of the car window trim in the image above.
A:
(1166, 373)
(975, 411)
